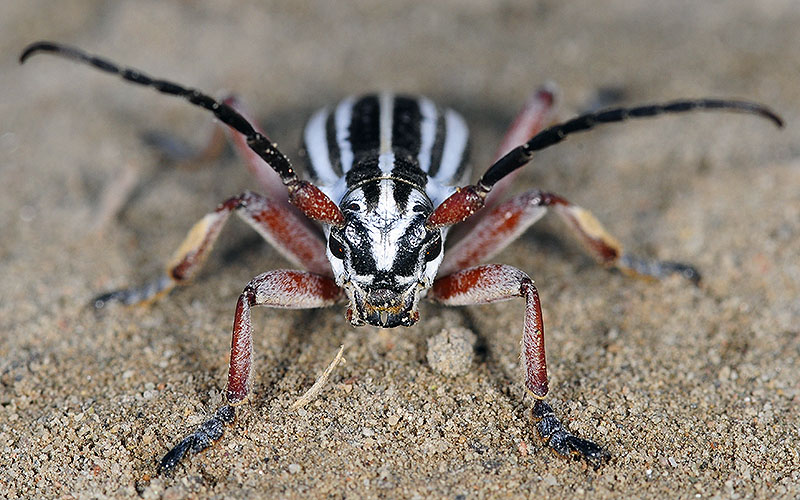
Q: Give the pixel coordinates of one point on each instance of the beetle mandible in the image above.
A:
(386, 185)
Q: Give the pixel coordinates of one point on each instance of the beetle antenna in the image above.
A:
(521, 155)
(307, 197)
(259, 143)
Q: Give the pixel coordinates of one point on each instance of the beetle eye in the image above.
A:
(336, 246)
(434, 249)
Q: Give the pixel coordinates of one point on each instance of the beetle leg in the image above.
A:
(563, 442)
(496, 229)
(267, 178)
(285, 289)
(503, 224)
(495, 282)
(175, 150)
(534, 116)
(284, 229)
(607, 249)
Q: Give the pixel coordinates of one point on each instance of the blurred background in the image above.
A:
(691, 389)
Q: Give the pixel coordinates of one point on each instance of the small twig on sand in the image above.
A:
(320, 382)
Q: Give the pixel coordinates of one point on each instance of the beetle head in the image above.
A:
(383, 256)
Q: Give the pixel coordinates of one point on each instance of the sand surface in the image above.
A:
(694, 391)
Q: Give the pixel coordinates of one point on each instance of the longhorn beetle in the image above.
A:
(385, 173)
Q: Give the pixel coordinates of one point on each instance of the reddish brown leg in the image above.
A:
(185, 156)
(286, 230)
(269, 181)
(532, 119)
(534, 116)
(495, 282)
(283, 289)
(496, 230)
(267, 178)
(503, 224)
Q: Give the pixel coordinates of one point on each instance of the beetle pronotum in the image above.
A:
(384, 173)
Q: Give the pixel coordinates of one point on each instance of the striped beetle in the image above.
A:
(385, 172)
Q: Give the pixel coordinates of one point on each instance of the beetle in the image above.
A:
(387, 182)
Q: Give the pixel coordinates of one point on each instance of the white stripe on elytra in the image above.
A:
(454, 144)
(386, 162)
(317, 146)
(386, 110)
(427, 132)
(385, 154)
(344, 114)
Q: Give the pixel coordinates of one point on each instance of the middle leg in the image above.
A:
(286, 230)
(507, 221)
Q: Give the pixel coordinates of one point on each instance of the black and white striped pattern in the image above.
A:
(387, 160)
(407, 139)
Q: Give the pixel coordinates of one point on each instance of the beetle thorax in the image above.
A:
(383, 256)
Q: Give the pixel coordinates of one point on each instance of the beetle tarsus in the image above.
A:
(563, 442)
(658, 269)
(205, 435)
(135, 295)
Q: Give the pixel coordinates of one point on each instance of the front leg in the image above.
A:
(493, 283)
(562, 441)
(283, 289)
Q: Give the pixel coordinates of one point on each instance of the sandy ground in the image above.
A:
(693, 390)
